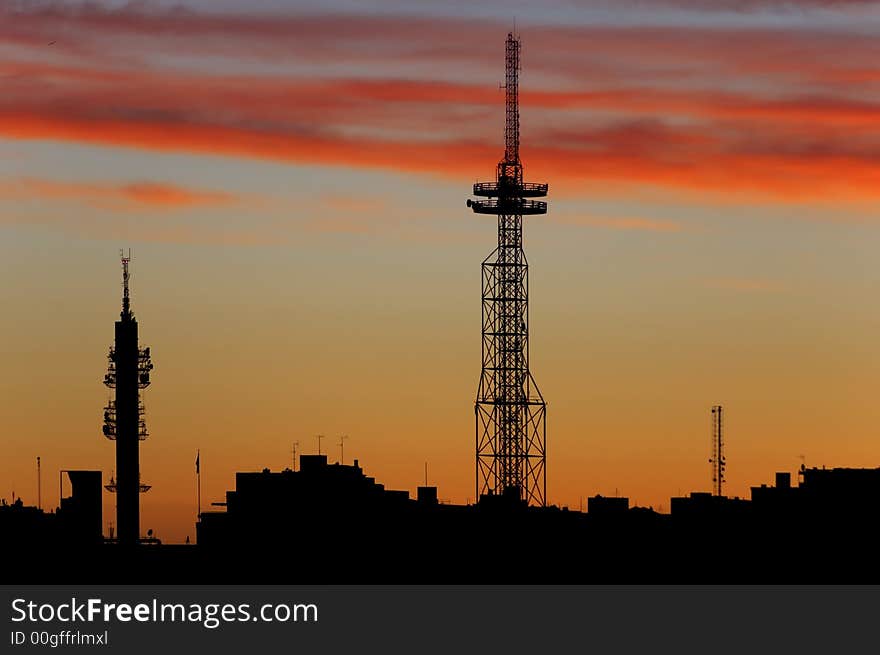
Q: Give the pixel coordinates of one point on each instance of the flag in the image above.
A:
(197, 461)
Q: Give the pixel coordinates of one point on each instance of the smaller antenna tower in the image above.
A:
(342, 439)
(717, 460)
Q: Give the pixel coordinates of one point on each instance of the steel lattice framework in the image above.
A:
(511, 415)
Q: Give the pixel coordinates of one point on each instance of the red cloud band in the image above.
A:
(800, 142)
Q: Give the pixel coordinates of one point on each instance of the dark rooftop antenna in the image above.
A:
(199, 483)
(295, 446)
(510, 412)
(39, 486)
(717, 459)
(319, 437)
(342, 439)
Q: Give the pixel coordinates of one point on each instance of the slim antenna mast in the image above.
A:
(342, 440)
(717, 460)
(126, 302)
(511, 102)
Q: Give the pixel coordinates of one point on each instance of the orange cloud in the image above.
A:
(369, 101)
(117, 196)
(811, 136)
(86, 30)
(167, 195)
(693, 160)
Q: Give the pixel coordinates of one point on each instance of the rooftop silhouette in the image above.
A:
(332, 523)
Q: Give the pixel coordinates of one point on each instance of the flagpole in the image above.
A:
(199, 476)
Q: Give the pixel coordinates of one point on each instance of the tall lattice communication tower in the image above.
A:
(719, 464)
(511, 415)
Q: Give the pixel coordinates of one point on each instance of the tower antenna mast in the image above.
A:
(510, 412)
(128, 373)
(342, 439)
(126, 301)
(717, 460)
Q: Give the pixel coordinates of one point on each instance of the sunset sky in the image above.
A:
(292, 185)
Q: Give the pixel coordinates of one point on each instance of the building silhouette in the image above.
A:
(831, 497)
(75, 525)
(80, 515)
(332, 523)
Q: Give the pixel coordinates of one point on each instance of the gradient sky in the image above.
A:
(292, 184)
